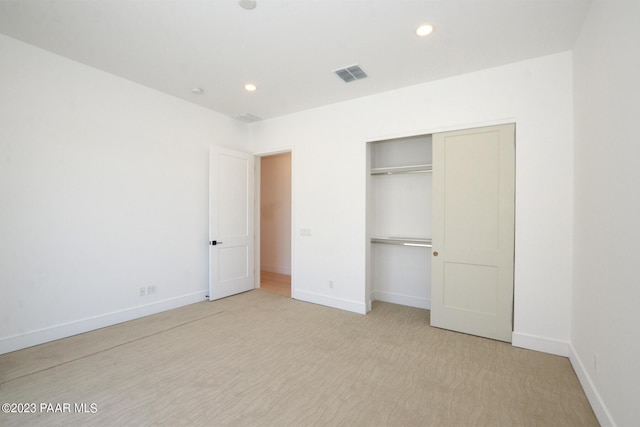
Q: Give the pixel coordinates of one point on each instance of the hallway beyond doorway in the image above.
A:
(276, 283)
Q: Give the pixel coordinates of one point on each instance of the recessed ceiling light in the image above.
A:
(197, 91)
(424, 30)
(250, 87)
(247, 4)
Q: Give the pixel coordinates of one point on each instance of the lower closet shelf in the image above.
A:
(402, 241)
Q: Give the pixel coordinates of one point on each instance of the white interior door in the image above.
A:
(231, 237)
(473, 231)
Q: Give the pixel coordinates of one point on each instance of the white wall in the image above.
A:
(330, 182)
(103, 189)
(606, 290)
(275, 213)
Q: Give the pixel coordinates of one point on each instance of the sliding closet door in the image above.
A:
(473, 231)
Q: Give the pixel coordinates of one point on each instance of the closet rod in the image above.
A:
(401, 170)
(423, 243)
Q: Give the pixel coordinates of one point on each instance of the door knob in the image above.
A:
(435, 253)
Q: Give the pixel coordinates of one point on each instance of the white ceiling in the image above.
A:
(289, 48)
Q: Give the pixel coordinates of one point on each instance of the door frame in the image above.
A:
(257, 213)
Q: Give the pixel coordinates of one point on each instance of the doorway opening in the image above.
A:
(275, 223)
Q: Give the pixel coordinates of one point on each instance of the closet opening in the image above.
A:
(274, 225)
(441, 224)
(399, 220)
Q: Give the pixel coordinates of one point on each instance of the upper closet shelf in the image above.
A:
(401, 169)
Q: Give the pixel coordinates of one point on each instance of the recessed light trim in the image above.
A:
(424, 30)
(250, 87)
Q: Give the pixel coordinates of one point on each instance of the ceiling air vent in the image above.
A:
(351, 73)
(249, 118)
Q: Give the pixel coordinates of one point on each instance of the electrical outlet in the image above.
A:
(143, 291)
(331, 284)
(151, 289)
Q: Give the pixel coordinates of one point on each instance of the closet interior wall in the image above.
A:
(399, 220)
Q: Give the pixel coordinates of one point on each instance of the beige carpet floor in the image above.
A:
(260, 359)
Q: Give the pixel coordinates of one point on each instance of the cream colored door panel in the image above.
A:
(231, 223)
(473, 231)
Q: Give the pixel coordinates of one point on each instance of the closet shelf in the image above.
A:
(401, 169)
(403, 241)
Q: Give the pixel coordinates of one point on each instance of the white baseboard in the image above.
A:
(41, 336)
(276, 269)
(599, 408)
(329, 301)
(545, 345)
(401, 299)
